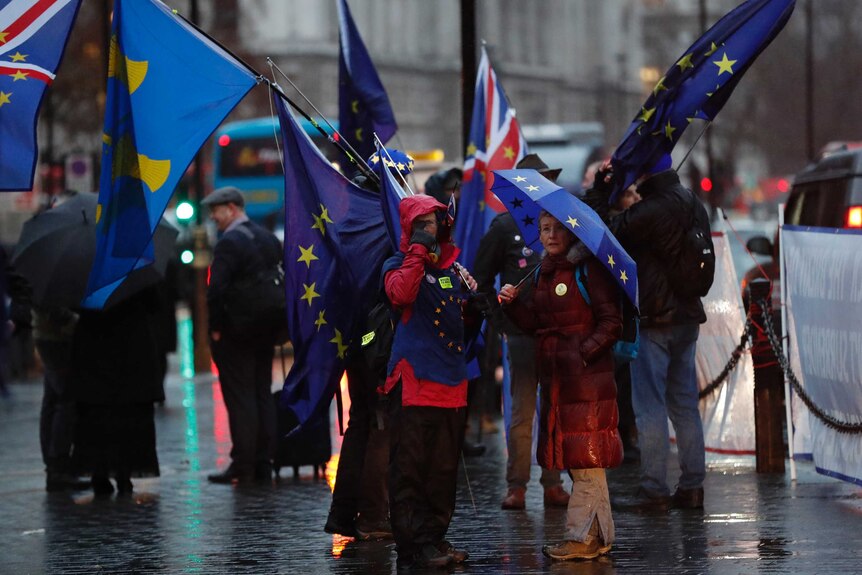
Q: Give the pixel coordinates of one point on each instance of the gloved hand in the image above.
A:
(478, 304)
(423, 238)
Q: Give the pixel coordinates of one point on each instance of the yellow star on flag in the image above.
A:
(354, 106)
(4, 98)
(471, 149)
(669, 130)
(320, 321)
(573, 222)
(400, 166)
(358, 134)
(712, 49)
(611, 261)
(19, 57)
(481, 205)
(3, 37)
(623, 276)
(685, 62)
(307, 255)
(310, 294)
(532, 188)
(319, 220)
(342, 347)
(724, 65)
(659, 87)
(646, 114)
(19, 75)
(374, 159)
(508, 152)
(520, 179)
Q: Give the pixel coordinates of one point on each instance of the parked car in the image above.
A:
(571, 147)
(828, 193)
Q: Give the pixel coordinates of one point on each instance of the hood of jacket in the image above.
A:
(411, 208)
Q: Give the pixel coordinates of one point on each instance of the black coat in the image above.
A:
(502, 251)
(238, 254)
(651, 231)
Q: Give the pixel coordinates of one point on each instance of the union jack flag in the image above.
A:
(496, 143)
(33, 36)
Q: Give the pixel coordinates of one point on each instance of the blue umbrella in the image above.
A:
(525, 193)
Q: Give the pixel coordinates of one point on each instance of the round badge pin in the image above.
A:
(430, 279)
(527, 252)
(517, 238)
(561, 289)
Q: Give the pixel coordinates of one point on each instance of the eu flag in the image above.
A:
(495, 143)
(334, 247)
(697, 85)
(391, 194)
(33, 36)
(169, 87)
(363, 106)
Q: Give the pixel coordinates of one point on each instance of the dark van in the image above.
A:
(828, 193)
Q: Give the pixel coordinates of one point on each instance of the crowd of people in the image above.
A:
(397, 473)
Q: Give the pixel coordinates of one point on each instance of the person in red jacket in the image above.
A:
(426, 384)
(578, 424)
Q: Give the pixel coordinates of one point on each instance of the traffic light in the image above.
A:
(706, 185)
(185, 211)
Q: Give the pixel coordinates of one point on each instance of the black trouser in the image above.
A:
(57, 417)
(423, 472)
(360, 483)
(245, 372)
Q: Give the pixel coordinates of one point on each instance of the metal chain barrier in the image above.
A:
(731, 364)
(775, 342)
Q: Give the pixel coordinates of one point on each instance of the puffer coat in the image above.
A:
(578, 425)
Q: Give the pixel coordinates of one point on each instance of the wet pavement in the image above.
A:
(180, 523)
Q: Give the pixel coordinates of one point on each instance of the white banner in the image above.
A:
(824, 317)
(727, 414)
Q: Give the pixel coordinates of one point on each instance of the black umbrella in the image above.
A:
(56, 249)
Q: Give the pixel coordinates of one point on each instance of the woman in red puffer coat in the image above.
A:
(578, 425)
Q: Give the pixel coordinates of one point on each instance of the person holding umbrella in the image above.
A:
(574, 312)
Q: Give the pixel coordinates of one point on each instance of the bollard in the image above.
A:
(768, 386)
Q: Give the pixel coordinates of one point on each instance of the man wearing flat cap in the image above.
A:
(244, 250)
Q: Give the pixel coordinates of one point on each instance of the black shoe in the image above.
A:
(457, 555)
(263, 472)
(688, 498)
(644, 502)
(430, 556)
(231, 475)
(61, 481)
(124, 486)
(102, 485)
(336, 525)
(473, 449)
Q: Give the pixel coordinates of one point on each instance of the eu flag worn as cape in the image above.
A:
(334, 247)
(169, 87)
(33, 36)
(697, 85)
(495, 143)
(363, 106)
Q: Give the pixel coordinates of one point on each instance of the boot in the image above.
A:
(514, 498)
(457, 555)
(688, 498)
(556, 496)
(567, 550)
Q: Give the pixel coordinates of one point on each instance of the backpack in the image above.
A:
(377, 336)
(694, 270)
(256, 304)
(626, 347)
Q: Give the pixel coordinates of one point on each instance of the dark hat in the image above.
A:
(226, 195)
(441, 182)
(533, 161)
(394, 159)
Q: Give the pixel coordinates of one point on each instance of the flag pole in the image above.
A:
(274, 85)
(353, 154)
(688, 153)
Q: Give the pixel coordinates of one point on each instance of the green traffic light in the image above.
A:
(185, 211)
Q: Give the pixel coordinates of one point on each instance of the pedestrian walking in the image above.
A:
(578, 426)
(426, 384)
(656, 232)
(503, 252)
(243, 355)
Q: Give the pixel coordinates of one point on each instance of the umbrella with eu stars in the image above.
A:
(525, 193)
